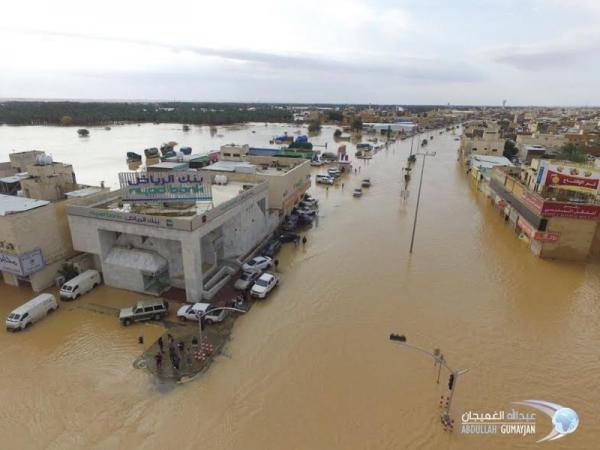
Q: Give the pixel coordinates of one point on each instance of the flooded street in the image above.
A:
(312, 366)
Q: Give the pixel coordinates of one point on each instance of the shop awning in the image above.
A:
(143, 260)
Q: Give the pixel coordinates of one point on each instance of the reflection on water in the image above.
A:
(312, 367)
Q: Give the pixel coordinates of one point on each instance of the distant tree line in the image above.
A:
(104, 113)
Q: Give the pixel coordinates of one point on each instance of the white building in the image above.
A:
(150, 246)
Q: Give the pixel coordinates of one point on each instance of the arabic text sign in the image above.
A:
(573, 182)
(172, 185)
(534, 201)
(574, 210)
(22, 265)
(529, 230)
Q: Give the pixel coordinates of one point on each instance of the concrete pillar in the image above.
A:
(192, 267)
(10, 278)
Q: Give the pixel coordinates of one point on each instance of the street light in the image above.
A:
(439, 359)
(412, 239)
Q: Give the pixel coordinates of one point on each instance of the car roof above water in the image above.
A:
(149, 302)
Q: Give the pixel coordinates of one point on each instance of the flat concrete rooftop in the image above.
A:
(220, 194)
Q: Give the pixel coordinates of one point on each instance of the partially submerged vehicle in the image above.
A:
(146, 309)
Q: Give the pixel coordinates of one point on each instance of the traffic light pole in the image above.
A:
(438, 357)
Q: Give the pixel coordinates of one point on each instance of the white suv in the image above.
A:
(190, 312)
(264, 285)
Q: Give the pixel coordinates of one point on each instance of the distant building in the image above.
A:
(34, 234)
(287, 178)
(552, 205)
(481, 139)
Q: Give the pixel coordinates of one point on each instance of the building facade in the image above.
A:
(150, 248)
(545, 205)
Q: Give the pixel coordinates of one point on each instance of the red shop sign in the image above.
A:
(559, 179)
(559, 209)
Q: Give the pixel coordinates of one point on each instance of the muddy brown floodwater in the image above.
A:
(312, 366)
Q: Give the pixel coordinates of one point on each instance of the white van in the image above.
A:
(31, 312)
(82, 283)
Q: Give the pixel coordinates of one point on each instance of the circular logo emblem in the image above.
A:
(565, 420)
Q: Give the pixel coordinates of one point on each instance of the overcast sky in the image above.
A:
(544, 52)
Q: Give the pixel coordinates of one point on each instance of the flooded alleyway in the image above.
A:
(312, 367)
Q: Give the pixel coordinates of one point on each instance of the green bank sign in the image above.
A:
(174, 185)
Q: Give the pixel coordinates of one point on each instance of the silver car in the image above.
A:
(246, 280)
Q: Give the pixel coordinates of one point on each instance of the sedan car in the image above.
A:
(289, 237)
(191, 312)
(271, 249)
(324, 179)
(304, 219)
(307, 211)
(290, 224)
(246, 280)
(264, 285)
(257, 264)
(307, 204)
(310, 199)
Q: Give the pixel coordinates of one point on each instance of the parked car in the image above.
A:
(30, 312)
(324, 179)
(307, 211)
(289, 237)
(82, 283)
(309, 198)
(357, 192)
(309, 205)
(304, 219)
(271, 249)
(191, 312)
(265, 284)
(257, 264)
(290, 224)
(246, 280)
(146, 309)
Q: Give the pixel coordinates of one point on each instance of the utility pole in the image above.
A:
(412, 239)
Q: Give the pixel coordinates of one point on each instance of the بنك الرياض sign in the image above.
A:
(175, 185)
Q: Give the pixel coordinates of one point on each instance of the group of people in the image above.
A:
(176, 351)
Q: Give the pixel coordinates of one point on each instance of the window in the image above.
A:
(158, 308)
(148, 309)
